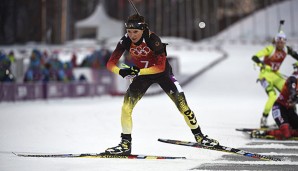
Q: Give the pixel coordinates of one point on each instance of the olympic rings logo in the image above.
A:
(140, 51)
(279, 55)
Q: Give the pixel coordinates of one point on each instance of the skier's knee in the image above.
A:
(271, 93)
(267, 86)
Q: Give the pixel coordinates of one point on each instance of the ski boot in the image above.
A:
(263, 122)
(258, 134)
(204, 140)
(123, 148)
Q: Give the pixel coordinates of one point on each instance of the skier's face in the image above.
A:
(134, 34)
(280, 42)
(280, 45)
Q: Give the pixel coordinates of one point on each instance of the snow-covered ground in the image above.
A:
(224, 98)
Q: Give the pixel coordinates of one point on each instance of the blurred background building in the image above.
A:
(54, 21)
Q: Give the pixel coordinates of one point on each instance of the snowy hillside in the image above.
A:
(263, 25)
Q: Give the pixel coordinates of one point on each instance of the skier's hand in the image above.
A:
(259, 63)
(130, 72)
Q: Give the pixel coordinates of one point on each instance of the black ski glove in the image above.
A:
(131, 71)
(260, 63)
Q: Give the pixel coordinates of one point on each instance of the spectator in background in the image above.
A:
(74, 60)
(5, 70)
(86, 61)
(45, 57)
(96, 59)
(11, 56)
(34, 72)
(46, 73)
(12, 59)
(68, 68)
(57, 68)
(105, 56)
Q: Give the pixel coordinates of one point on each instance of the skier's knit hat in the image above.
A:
(281, 36)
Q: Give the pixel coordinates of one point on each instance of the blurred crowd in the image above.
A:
(44, 66)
